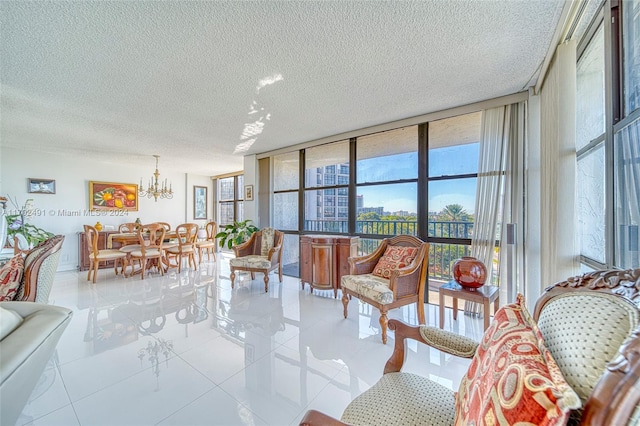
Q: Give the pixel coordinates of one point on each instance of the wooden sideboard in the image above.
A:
(83, 252)
(324, 260)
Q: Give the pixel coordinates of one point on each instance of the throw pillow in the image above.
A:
(11, 277)
(512, 378)
(394, 257)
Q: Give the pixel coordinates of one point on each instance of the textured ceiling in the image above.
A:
(204, 83)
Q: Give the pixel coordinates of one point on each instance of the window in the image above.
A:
(631, 55)
(452, 174)
(286, 182)
(231, 199)
(327, 159)
(590, 146)
(387, 185)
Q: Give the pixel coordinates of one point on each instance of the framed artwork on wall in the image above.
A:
(248, 192)
(113, 196)
(200, 202)
(42, 186)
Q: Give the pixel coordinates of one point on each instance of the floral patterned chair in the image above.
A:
(392, 276)
(581, 348)
(262, 252)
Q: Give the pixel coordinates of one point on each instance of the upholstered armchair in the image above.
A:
(392, 276)
(262, 252)
(576, 359)
(40, 265)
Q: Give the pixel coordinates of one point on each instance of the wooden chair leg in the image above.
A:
(90, 269)
(96, 265)
(345, 302)
(115, 266)
(253, 275)
(280, 272)
(420, 306)
(233, 277)
(383, 325)
(266, 281)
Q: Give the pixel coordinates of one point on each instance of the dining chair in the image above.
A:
(167, 226)
(150, 238)
(209, 243)
(96, 256)
(127, 227)
(186, 234)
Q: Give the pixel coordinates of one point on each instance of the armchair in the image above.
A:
(585, 330)
(392, 276)
(262, 252)
(40, 267)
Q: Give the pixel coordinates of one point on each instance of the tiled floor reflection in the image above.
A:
(186, 349)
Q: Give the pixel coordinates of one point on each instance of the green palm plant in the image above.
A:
(236, 233)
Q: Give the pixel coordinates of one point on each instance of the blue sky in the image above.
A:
(453, 160)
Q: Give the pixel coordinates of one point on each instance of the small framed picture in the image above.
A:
(199, 202)
(248, 192)
(42, 186)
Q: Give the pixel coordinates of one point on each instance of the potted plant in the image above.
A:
(236, 233)
(17, 224)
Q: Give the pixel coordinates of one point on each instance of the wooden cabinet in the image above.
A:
(324, 260)
(83, 251)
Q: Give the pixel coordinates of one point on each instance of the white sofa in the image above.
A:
(29, 334)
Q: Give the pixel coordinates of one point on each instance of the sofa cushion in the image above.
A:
(370, 286)
(252, 261)
(394, 257)
(268, 235)
(11, 277)
(513, 377)
(9, 321)
(402, 399)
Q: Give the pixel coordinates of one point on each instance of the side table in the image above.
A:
(484, 295)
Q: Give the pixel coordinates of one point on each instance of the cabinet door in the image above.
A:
(305, 260)
(323, 265)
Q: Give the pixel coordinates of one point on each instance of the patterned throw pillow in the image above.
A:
(394, 257)
(512, 377)
(11, 277)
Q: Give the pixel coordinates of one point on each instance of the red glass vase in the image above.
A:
(469, 272)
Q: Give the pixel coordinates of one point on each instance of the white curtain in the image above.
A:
(558, 251)
(494, 145)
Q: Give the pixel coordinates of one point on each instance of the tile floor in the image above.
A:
(186, 349)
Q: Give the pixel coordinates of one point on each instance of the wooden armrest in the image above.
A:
(439, 339)
(313, 417)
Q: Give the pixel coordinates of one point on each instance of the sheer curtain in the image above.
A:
(500, 199)
(494, 145)
(558, 250)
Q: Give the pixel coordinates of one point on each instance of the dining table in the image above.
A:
(128, 238)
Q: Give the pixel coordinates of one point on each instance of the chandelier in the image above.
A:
(156, 189)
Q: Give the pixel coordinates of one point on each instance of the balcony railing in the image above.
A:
(437, 229)
(441, 255)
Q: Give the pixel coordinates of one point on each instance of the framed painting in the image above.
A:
(248, 192)
(200, 202)
(113, 196)
(42, 186)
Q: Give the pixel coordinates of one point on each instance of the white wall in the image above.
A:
(251, 178)
(66, 211)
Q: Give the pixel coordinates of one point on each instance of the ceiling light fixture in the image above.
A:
(156, 189)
